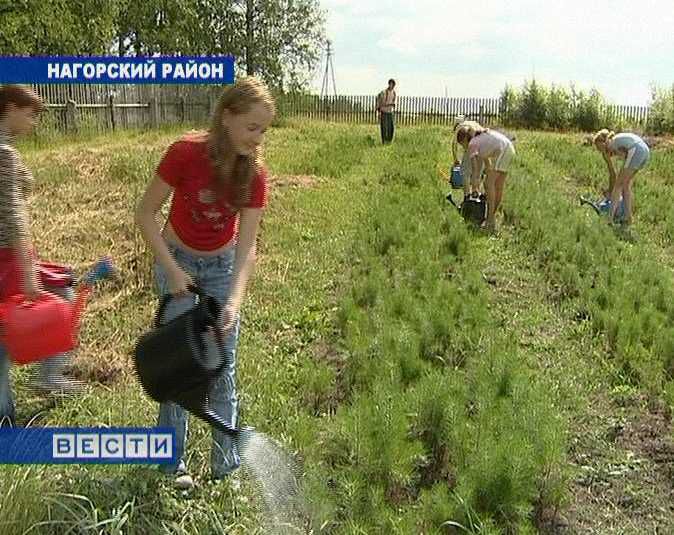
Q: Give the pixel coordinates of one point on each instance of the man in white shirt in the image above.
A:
(386, 102)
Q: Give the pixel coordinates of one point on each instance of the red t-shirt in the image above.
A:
(199, 219)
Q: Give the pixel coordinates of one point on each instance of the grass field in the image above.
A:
(432, 379)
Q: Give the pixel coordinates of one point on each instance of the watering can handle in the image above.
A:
(584, 200)
(166, 299)
(450, 199)
(25, 303)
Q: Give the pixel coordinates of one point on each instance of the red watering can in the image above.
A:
(34, 331)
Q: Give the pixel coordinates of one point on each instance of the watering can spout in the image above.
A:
(195, 401)
(219, 423)
(603, 207)
(77, 308)
(103, 269)
(592, 204)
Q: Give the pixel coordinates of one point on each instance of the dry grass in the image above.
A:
(82, 209)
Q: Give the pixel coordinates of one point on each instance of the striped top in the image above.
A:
(16, 183)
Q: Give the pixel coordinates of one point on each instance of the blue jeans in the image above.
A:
(213, 275)
(49, 368)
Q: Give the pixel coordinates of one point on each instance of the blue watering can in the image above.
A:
(603, 207)
(456, 177)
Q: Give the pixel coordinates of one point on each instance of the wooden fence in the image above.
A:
(631, 114)
(426, 110)
(79, 107)
(90, 107)
(409, 110)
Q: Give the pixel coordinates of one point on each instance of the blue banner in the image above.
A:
(87, 445)
(116, 70)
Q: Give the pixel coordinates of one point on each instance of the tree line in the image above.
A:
(279, 40)
(535, 105)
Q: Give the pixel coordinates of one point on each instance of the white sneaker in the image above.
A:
(235, 483)
(232, 479)
(183, 482)
(60, 385)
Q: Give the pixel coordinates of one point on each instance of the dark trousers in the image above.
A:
(386, 126)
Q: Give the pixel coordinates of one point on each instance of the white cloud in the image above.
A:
(370, 79)
(621, 47)
(400, 46)
(356, 80)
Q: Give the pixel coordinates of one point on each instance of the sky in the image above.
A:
(474, 48)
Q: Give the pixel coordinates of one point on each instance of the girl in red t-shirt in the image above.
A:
(219, 187)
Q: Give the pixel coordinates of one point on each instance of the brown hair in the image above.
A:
(21, 96)
(237, 99)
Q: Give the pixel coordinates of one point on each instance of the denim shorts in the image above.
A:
(504, 158)
(637, 157)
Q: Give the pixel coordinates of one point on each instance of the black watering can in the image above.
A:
(174, 362)
(472, 209)
(178, 362)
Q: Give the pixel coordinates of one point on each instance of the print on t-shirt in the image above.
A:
(195, 216)
(218, 214)
(206, 196)
(202, 218)
(212, 214)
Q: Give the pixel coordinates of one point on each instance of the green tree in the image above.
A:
(284, 40)
(558, 113)
(508, 104)
(279, 40)
(52, 27)
(178, 27)
(532, 105)
(587, 112)
(661, 115)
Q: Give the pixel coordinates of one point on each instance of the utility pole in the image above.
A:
(325, 87)
(250, 70)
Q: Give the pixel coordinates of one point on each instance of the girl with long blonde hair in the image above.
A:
(493, 150)
(219, 186)
(636, 154)
(471, 182)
